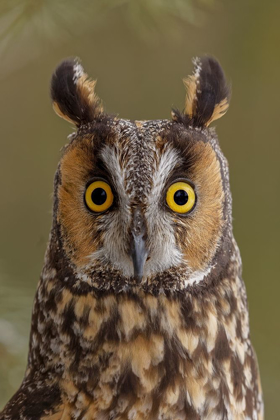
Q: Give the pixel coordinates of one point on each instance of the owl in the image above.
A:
(141, 311)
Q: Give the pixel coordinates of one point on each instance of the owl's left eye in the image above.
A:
(99, 196)
(180, 197)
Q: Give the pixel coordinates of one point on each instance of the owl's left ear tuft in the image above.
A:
(73, 94)
(208, 94)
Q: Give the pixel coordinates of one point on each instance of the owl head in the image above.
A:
(141, 202)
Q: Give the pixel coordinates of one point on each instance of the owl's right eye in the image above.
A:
(99, 196)
(180, 197)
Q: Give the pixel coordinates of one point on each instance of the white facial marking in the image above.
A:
(163, 250)
(115, 225)
(198, 276)
(111, 157)
(167, 162)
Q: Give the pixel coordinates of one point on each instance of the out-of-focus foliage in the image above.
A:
(29, 27)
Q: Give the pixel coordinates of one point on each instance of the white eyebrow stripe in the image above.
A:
(111, 158)
(167, 162)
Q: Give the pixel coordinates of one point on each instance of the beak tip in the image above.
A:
(138, 277)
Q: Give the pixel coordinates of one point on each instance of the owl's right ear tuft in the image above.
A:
(208, 94)
(73, 95)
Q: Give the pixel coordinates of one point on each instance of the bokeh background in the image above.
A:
(139, 51)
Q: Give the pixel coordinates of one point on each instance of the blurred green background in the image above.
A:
(139, 52)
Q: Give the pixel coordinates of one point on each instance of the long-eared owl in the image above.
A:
(141, 311)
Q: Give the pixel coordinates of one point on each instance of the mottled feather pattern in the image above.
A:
(169, 353)
(173, 343)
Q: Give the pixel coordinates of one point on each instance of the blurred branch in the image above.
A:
(27, 22)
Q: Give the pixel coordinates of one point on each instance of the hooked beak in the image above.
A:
(138, 255)
(138, 251)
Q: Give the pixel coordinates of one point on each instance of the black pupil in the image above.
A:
(98, 196)
(181, 197)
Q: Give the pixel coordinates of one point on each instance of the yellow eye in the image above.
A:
(99, 196)
(180, 197)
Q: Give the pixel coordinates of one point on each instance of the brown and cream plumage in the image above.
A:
(141, 310)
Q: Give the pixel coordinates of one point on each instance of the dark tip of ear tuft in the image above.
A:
(73, 93)
(208, 94)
